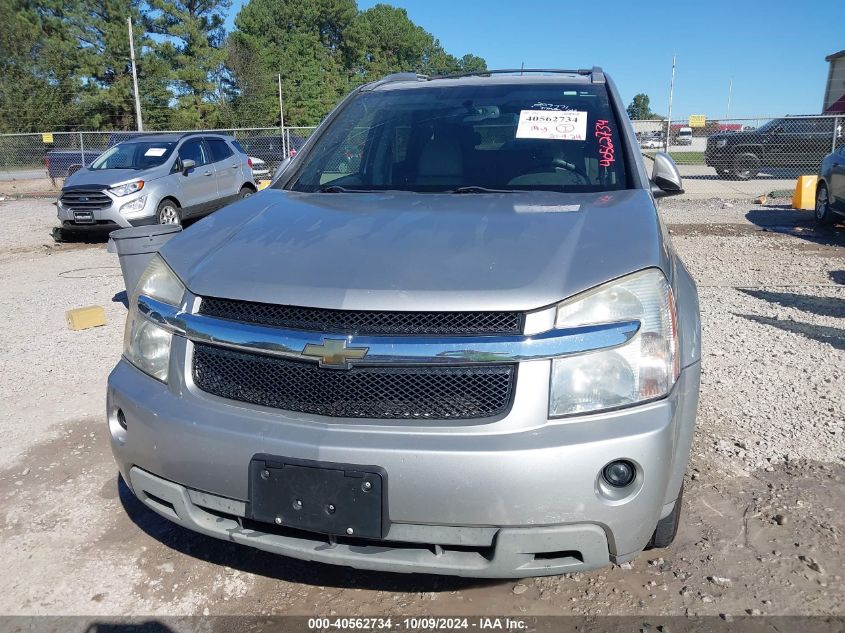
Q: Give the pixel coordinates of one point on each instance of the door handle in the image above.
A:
(208, 173)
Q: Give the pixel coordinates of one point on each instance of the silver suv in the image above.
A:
(473, 351)
(156, 178)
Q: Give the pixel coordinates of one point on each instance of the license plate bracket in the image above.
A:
(83, 217)
(324, 497)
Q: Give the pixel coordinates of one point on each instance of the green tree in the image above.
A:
(191, 43)
(37, 90)
(102, 65)
(384, 39)
(305, 42)
(640, 108)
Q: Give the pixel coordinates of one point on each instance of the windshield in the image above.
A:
(523, 137)
(134, 155)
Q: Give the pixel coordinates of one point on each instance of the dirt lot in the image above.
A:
(764, 504)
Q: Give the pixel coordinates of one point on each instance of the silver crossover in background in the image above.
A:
(472, 350)
(156, 179)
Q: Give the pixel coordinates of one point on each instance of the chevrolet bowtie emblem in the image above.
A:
(334, 353)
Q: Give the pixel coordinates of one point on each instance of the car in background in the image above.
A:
(651, 141)
(260, 170)
(156, 179)
(830, 190)
(272, 149)
(684, 136)
(784, 143)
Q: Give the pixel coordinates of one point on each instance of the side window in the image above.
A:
(798, 126)
(823, 126)
(238, 147)
(220, 149)
(194, 150)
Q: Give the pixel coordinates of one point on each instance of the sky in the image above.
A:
(773, 50)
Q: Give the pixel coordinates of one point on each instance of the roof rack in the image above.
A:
(595, 73)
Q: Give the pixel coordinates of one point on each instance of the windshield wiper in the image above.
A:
(339, 189)
(479, 189)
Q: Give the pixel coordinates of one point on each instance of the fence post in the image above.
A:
(835, 134)
(82, 148)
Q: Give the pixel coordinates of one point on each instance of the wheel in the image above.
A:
(746, 166)
(168, 213)
(725, 174)
(245, 192)
(824, 215)
(667, 527)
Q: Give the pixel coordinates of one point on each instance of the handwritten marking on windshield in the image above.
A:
(604, 135)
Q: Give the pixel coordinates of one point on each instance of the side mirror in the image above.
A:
(188, 165)
(665, 177)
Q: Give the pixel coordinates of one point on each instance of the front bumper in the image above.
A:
(111, 217)
(518, 496)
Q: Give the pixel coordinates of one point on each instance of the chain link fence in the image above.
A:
(723, 158)
(743, 158)
(38, 163)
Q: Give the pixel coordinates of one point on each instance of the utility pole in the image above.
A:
(669, 119)
(282, 117)
(135, 78)
(730, 92)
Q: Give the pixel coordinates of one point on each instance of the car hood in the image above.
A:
(105, 178)
(403, 251)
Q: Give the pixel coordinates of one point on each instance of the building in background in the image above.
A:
(834, 94)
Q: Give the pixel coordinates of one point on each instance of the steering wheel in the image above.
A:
(559, 163)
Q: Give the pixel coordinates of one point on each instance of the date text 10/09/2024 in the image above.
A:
(417, 623)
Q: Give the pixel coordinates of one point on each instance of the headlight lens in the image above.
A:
(721, 142)
(129, 187)
(136, 205)
(145, 344)
(643, 369)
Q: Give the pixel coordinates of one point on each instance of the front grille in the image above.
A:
(85, 200)
(399, 393)
(363, 321)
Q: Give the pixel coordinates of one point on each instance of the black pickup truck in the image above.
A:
(786, 143)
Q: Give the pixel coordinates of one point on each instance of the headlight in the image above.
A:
(644, 368)
(129, 187)
(145, 344)
(136, 205)
(721, 142)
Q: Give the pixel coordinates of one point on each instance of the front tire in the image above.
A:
(824, 216)
(245, 192)
(667, 527)
(746, 166)
(168, 213)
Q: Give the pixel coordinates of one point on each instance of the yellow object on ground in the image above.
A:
(262, 184)
(805, 193)
(83, 318)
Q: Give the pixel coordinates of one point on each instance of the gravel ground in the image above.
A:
(764, 503)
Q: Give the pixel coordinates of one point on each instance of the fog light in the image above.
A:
(619, 473)
(121, 419)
